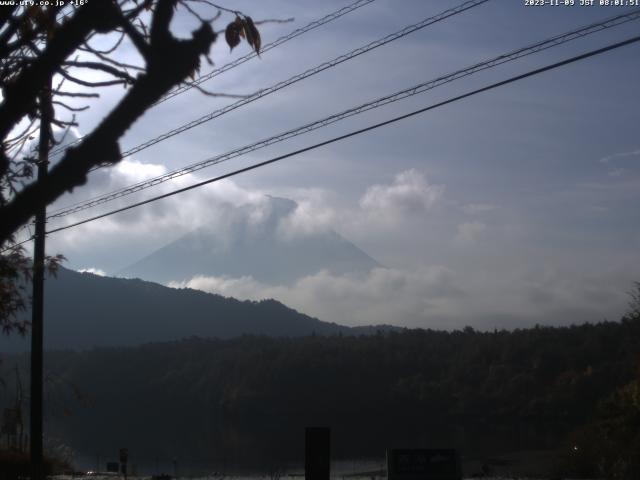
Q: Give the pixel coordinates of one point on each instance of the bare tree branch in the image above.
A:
(169, 62)
(70, 108)
(136, 37)
(63, 123)
(76, 94)
(102, 67)
(215, 94)
(95, 51)
(113, 62)
(20, 95)
(85, 83)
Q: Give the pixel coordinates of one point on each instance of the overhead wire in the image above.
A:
(332, 63)
(304, 75)
(239, 61)
(285, 38)
(379, 102)
(14, 246)
(308, 73)
(360, 131)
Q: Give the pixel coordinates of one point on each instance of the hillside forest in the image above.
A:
(246, 401)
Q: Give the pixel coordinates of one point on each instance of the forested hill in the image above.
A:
(248, 399)
(83, 310)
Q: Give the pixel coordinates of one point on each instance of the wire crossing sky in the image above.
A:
(294, 34)
(239, 61)
(402, 94)
(304, 75)
(510, 208)
(361, 131)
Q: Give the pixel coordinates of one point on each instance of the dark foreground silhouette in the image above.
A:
(246, 401)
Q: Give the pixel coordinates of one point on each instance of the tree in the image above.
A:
(634, 303)
(38, 43)
(608, 446)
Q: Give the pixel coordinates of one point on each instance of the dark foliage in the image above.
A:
(15, 465)
(609, 444)
(247, 400)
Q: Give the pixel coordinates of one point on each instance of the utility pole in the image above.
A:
(37, 309)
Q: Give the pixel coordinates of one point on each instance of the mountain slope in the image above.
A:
(248, 247)
(84, 310)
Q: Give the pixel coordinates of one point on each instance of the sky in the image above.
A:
(507, 209)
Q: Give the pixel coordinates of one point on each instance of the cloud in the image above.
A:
(469, 232)
(308, 218)
(615, 156)
(383, 296)
(379, 212)
(115, 241)
(409, 193)
(131, 171)
(436, 297)
(95, 271)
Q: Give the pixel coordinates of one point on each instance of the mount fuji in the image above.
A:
(252, 244)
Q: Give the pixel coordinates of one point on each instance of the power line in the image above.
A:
(402, 94)
(14, 246)
(239, 61)
(306, 74)
(266, 48)
(360, 131)
(354, 53)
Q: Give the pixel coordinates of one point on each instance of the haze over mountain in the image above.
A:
(253, 243)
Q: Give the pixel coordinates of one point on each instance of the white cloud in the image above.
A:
(409, 193)
(469, 232)
(307, 219)
(115, 241)
(614, 156)
(95, 271)
(383, 296)
(436, 297)
(131, 171)
(245, 288)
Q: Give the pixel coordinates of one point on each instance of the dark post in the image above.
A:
(37, 309)
(317, 461)
(124, 459)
